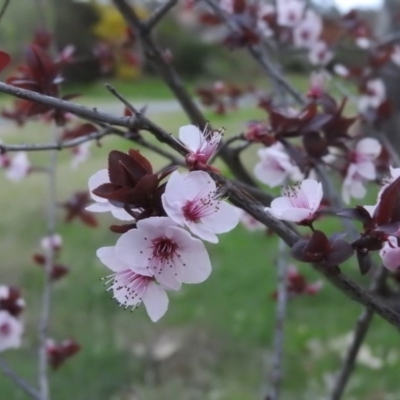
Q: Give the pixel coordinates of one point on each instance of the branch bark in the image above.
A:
(26, 387)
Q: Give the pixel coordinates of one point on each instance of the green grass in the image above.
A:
(224, 327)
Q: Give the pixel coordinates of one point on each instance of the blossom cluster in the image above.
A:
(11, 325)
(162, 246)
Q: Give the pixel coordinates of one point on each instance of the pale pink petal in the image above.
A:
(109, 258)
(369, 147)
(195, 264)
(313, 191)
(224, 220)
(191, 136)
(156, 301)
(97, 179)
(98, 207)
(272, 178)
(390, 255)
(367, 170)
(11, 330)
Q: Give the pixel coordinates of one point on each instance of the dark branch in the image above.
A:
(18, 381)
(360, 333)
(158, 15)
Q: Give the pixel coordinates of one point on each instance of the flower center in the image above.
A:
(201, 206)
(5, 329)
(164, 248)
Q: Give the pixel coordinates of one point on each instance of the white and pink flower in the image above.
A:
(275, 166)
(11, 330)
(130, 289)
(103, 205)
(307, 33)
(201, 145)
(17, 167)
(320, 54)
(361, 168)
(298, 203)
(289, 12)
(390, 254)
(192, 200)
(373, 95)
(51, 242)
(160, 248)
(80, 154)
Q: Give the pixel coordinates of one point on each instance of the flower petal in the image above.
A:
(191, 136)
(156, 301)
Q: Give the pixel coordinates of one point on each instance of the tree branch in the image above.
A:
(172, 79)
(158, 15)
(360, 332)
(18, 381)
(276, 373)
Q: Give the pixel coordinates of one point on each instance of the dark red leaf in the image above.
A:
(4, 60)
(386, 206)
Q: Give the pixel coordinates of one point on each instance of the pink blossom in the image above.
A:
(130, 289)
(363, 42)
(317, 84)
(103, 205)
(264, 10)
(192, 200)
(11, 330)
(390, 254)
(306, 34)
(160, 248)
(54, 241)
(275, 166)
(298, 203)
(250, 223)
(17, 167)
(341, 70)
(289, 12)
(373, 95)
(365, 153)
(81, 153)
(201, 145)
(320, 54)
(396, 55)
(361, 168)
(353, 184)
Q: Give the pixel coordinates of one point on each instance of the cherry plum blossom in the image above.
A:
(192, 200)
(53, 241)
(80, 154)
(17, 167)
(11, 330)
(289, 12)
(361, 168)
(373, 95)
(390, 254)
(101, 204)
(320, 54)
(130, 289)
(307, 33)
(160, 248)
(298, 203)
(201, 145)
(275, 166)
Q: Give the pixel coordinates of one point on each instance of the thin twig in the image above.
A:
(158, 15)
(360, 332)
(277, 359)
(59, 145)
(258, 53)
(4, 8)
(44, 321)
(165, 69)
(18, 381)
(119, 96)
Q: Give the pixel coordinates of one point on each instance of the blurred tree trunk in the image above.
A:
(73, 22)
(389, 22)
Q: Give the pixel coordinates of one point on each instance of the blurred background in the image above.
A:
(215, 342)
